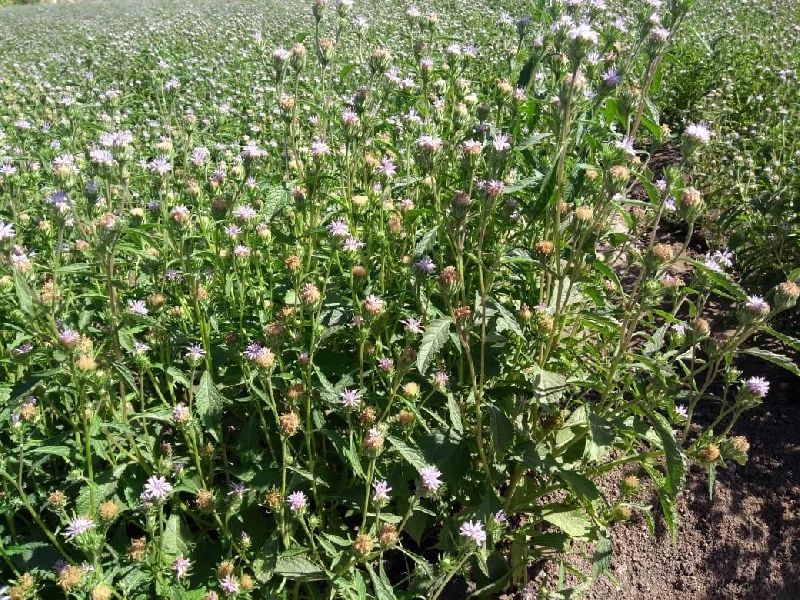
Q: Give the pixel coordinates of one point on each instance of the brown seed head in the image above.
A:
(290, 423)
(138, 549)
(387, 535)
(544, 247)
(108, 510)
(102, 592)
(363, 544)
(740, 443)
(405, 417)
(710, 453)
(204, 500)
(224, 569)
(70, 577)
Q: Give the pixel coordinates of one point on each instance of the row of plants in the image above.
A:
(336, 300)
(736, 69)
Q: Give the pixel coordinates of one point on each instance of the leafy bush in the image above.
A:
(351, 316)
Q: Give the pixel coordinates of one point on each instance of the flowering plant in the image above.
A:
(358, 322)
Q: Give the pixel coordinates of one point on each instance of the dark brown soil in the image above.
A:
(745, 543)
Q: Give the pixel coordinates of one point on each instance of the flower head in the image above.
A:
(78, 526)
(757, 386)
(474, 531)
(430, 479)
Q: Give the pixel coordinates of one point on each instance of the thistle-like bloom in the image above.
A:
(698, 133)
(583, 33)
(181, 566)
(380, 493)
(245, 212)
(758, 386)
(297, 502)
(160, 166)
(319, 149)
(387, 168)
(68, 337)
(757, 304)
(352, 244)
(6, 231)
(425, 265)
(181, 413)
(611, 78)
(430, 479)
(350, 398)
(199, 156)
(374, 305)
(682, 411)
(413, 325)
(474, 531)
(78, 526)
(502, 142)
(339, 228)
(137, 307)
(195, 353)
(156, 489)
(229, 585)
(429, 143)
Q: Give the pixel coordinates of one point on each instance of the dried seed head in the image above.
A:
(525, 313)
(584, 214)
(740, 443)
(630, 483)
(359, 272)
(396, 225)
(367, 416)
(246, 582)
(691, 197)
(70, 577)
(204, 500)
(265, 358)
(86, 363)
(293, 262)
(786, 295)
(363, 544)
(462, 313)
(201, 293)
(449, 276)
(710, 453)
(137, 549)
(295, 391)
(702, 327)
(310, 294)
(544, 247)
(410, 390)
(108, 510)
(387, 535)
(102, 592)
(57, 499)
(290, 423)
(662, 252)
(405, 417)
(273, 500)
(619, 174)
(373, 442)
(224, 569)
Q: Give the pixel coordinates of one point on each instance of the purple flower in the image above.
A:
(68, 337)
(681, 411)
(698, 133)
(78, 526)
(413, 325)
(611, 78)
(160, 166)
(425, 265)
(229, 585)
(502, 142)
(757, 386)
(352, 244)
(195, 353)
(297, 502)
(386, 364)
(339, 228)
(181, 566)
(181, 413)
(6, 231)
(350, 398)
(757, 304)
(430, 478)
(387, 168)
(319, 149)
(137, 307)
(245, 212)
(238, 489)
(380, 494)
(473, 530)
(156, 489)
(429, 143)
(501, 517)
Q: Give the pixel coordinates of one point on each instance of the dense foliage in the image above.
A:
(350, 301)
(737, 70)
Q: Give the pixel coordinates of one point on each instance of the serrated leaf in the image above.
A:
(433, 340)
(298, 568)
(601, 559)
(274, 198)
(24, 293)
(776, 359)
(208, 400)
(380, 583)
(675, 458)
(412, 455)
(573, 522)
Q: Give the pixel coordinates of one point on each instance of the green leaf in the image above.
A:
(24, 293)
(601, 560)
(776, 359)
(582, 486)
(674, 455)
(274, 198)
(208, 400)
(383, 588)
(573, 522)
(172, 541)
(298, 568)
(62, 451)
(792, 342)
(433, 340)
(412, 455)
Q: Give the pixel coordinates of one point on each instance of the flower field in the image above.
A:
(374, 300)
